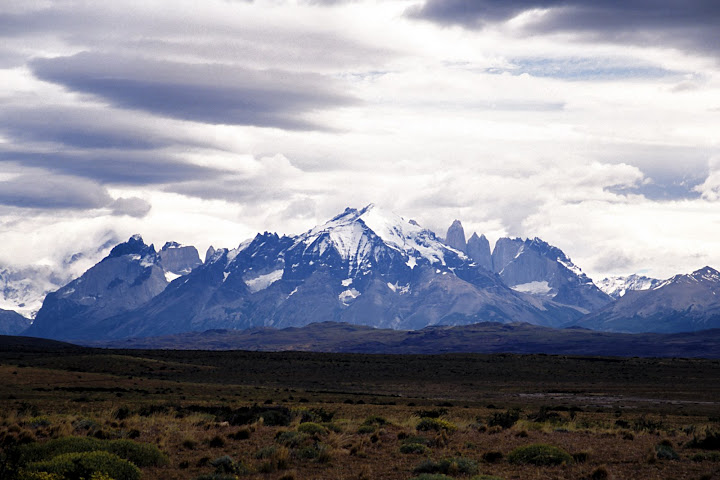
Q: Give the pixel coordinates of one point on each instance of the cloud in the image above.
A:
(689, 25)
(88, 126)
(112, 166)
(133, 207)
(52, 192)
(209, 93)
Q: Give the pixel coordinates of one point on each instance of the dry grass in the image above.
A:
(616, 437)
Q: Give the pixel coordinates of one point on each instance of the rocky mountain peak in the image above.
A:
(456, 236)
(134, 246)
(478, 248)
(179, 259)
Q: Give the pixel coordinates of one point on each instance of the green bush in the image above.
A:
(366, 429)
(539, 454)
(453, 466)
(414, 448)
(291, 438)
(311, 428)
(436, 424)
(226, 464)
(141, 454)
(266, 452)
(375, 420)
(85, 464)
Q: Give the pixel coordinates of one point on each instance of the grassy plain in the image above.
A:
(299, 416)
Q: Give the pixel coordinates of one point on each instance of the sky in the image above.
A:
(592, 125)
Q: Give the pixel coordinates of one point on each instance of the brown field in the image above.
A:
(610, 414)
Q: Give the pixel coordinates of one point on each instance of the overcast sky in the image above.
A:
(592, 125)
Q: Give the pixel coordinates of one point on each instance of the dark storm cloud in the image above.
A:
(53, 192)
(690, 24)
(112, 166)
(210, 93)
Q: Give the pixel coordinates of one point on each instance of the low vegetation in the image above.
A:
(184, 415)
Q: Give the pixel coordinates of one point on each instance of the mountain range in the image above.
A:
(363, 267)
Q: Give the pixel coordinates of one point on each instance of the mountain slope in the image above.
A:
(616, 287)
(127, 278)
(475, 338)
(363, 266)
(683, 303)
(12, 323)
(536, 267)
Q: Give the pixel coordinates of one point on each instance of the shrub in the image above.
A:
(458, 465)
(216, 442)
(36, 422)
(711, 441)
(539, 454)
(317, 415)
(504, 419)
(226, 464)
(599, 473)
(437, 413)
(141, 454)
(242, 434)
(84, 464)
(413, 448)
(485, 477)
(375, 420)
(492, 456)
(216, 476)
(436, 424)
(666, 452)
(581, 457)
(421, 440)
(291, 438)
(432, 476)
(702, 457)
(311, 428)
(266, 452)
(365, 429)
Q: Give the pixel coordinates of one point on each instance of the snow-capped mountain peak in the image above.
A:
(618, 286)
(357, 235)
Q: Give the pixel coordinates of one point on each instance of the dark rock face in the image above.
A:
(179, 259)
(456, 236)
(126, 279)
(12, 323)
(363, 267)
(209, 253)
(478, 248)
(681, 304)
(504, 252)
(535, 267)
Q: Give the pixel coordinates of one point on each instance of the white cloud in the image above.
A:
(598, 147)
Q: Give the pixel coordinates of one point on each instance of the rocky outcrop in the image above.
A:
(179, 259)
(478, 248)
(455, 237)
